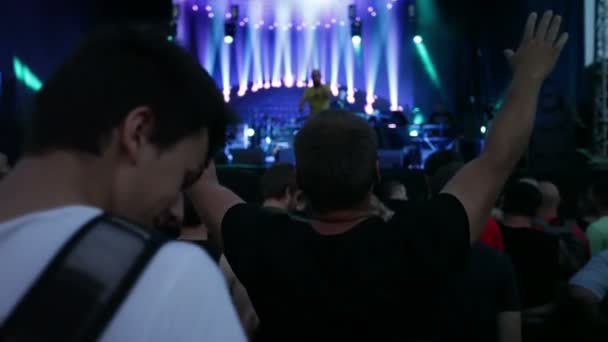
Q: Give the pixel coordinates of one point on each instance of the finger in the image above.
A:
(530, 25)
(563, 39)
(554, 29)
(541, 32)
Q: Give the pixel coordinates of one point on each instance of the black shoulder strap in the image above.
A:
(80, 290)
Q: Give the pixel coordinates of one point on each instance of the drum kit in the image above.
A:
(272, 134)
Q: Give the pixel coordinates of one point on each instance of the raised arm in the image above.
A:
(212, 200)
(478, 183)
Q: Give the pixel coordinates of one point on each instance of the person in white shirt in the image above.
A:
(122, 127)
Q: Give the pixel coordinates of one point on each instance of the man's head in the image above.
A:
(336, 161)
(140, 106)
(521, 199)
(316, 77)
(551, 199)
(392, 190)
(278, 186)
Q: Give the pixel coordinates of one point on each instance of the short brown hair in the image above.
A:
(336, 155)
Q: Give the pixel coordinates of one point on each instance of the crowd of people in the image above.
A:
(115, 227)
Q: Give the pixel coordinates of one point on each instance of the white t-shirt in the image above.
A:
(180, 296)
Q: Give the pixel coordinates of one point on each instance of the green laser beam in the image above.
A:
(25, 75)
(427, 62)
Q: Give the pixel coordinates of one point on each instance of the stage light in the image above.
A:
(276, 84)
(374, 14)
(195, 8)
(268, 140)
(229, 32)
(300, 84)
(170, 38)
(389, 6)
(267, 85)
(483, 129)
(413, 133)
(208, 8)
(210, 15)
(355, 32)
(418, 119)
(392, 126)
(370, 9)
(254, 88)
(249, 132)
(417, 39)
(288, 81)
(369, 110)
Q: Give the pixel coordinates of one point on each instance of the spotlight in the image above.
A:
(195, 8)
(369, 110)
(417, 39)
(267, 85)
(413, 133)
(392, 125)
(389, 6)
(208, 8)
(483, 129)
(210, 15)
(229, 32)
(276, 84)
(355, 32)
(249, 132)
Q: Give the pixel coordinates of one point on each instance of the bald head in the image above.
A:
(551, 198)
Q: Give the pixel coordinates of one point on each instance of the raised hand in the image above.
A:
(540, 47)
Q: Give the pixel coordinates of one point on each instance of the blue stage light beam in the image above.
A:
(428, 64)
(393, 46)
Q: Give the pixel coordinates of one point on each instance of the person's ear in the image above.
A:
(135, 131)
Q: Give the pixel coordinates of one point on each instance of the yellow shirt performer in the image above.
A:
(318, 96)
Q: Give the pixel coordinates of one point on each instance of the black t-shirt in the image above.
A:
(377, 281)
(475, 298)
(535, 256)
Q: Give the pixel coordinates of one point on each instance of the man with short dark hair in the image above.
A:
(535, 254)
(482, 303)
(121, 128)
(346, 274)
(278, 187)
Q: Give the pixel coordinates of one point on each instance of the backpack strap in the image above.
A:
(80, 290)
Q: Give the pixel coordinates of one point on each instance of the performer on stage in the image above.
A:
(318, 96)
(340, 102)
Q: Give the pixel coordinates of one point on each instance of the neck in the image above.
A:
(339, 221)
(275, 203)
(54, 180)
(514, 221)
